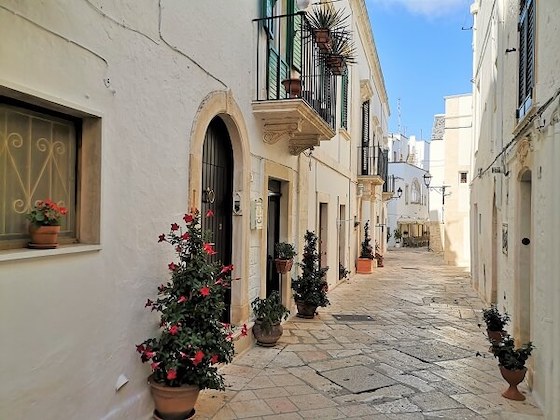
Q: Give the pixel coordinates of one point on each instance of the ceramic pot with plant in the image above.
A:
(324, 22)
(310, 288)
(192, 340)
(284, 253)
(45, 218)
(342, 53)
(512, 364)
(495, 323)
(365, 263)
(269, 312)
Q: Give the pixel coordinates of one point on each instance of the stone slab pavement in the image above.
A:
(421, 356)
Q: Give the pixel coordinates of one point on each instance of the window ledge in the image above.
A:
(344, 133)
(25, 253)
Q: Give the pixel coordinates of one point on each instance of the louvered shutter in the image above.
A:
(276, 66)
(365, 138)
(267, 10)
(344, 102)
(526, 29)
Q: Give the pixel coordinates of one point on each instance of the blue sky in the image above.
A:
(424, 56)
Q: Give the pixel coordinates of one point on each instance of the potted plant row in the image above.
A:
(495, 323)
(285, 253)
(192, 340)
(269, 313)
(310, 288)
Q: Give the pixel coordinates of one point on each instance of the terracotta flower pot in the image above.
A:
(173, 403)
(43, 236)
(283, 266)
(513, 378)
(267, 338)
(293, 87)
(305, 310)
(364, 266)
(323, 39)
(495, 337)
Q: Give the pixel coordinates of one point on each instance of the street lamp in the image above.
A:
(440, 189)
(399, 192)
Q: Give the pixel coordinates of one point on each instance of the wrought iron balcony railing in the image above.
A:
(374, 161)
(290, 66)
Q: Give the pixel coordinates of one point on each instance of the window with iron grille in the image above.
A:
(526, 29)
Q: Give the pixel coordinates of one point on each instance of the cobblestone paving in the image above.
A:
(417, 358)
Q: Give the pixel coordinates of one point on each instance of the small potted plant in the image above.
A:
(293, 85)
(269, 313)
(342, 53)
(45, 217)
(378, 255)
(192, 340)
(285, 254)
(512, 364)
(365, 262)
(310, 288)
(324, 22)
(398, 236)
(495, 323)
(342, 271)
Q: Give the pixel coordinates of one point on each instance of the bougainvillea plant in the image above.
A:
(193, 340)
(46, 213)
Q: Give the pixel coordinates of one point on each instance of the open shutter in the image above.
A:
(526, 29)
(277, 71)
(267, 10)
(344, 102)
(365, 138)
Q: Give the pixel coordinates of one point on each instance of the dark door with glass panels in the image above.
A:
(272, 236)
(217, 193)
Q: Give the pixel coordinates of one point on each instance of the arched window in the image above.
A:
(416, 192)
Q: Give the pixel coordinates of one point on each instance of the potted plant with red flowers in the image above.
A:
(45, 217)
(192, 340)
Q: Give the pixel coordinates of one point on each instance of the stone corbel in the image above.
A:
(523, 150)
(301, 142)
(275, 131)
(366, 89)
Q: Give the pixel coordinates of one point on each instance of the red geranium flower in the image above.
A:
(209, 213)
(140, 348)
(174, 226)
(214, 359)
(172, 266)
(244, 330)
(188, 218)
(155, 365)
(161, 237)
(148, 303)
(198, 357)
(173, 330)
(149, 354)
(205, 291)
(209, 249)
(171, 374)
(181, 299)
(185, 236)
(226, 269)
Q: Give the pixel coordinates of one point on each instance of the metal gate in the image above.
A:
(217, 193)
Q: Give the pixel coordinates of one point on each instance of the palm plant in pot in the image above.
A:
(495, 323)
(192, 341)
(342, 53)
(512, 364)
(269, 313)
(285, 253)
(365, 261)
(310, 288)
(45, 218)
(324, 22)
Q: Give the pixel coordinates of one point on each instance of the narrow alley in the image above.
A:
(403, 343)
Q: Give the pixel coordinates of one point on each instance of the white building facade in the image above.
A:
(514, 204)
(130, 113)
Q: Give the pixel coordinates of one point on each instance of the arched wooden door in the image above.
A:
(217, 194)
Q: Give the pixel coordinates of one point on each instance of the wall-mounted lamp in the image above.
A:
(399, 192)
(427, 179)
(508, 50)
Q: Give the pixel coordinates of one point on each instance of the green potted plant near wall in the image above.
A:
(269, 313)
(495, 323)
(45, 218)
(310, 288)
(285, 254)
(365, 262)
(324, 22)
(398, 236)
(342, 53)
(512, 364)
(192, 340)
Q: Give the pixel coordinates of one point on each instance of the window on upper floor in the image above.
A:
(416, 192)
(463, 177)
(42, 156)
(526, 29)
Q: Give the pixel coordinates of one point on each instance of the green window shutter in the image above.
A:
(344, 102)
(293, 41)
(275, 63)
(267, 10)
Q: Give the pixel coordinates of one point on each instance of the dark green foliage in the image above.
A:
(494, 320)
(192, 339)
(366, 250)
(342, 271)
(324, 17)
(284, 251)
(310, 286)
(269, 311)
(510, 357)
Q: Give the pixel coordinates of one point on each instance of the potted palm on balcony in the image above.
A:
(342, 53)
(324, 21)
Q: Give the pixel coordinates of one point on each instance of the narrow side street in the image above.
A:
(414, 351)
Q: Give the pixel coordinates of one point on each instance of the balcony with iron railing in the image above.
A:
(295, 91)
(374, 166)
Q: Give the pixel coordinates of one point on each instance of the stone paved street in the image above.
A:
(416, 359)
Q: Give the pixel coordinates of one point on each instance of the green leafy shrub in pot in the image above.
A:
(269, 311)
(509, 356)
(494, 320)
(310, 286)
(284, 251)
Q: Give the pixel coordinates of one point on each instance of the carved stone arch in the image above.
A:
(222, 104)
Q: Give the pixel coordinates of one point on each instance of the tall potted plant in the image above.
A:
(310, 288)
(269, 312)
(45, 218)
(512, 364)
(192, 340)
(285, 254)
(365, 262)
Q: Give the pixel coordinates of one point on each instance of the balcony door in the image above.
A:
(217, 193)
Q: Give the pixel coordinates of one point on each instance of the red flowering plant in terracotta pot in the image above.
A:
(45, 217)
(193, 340)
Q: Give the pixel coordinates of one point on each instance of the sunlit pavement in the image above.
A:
(416, 358)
